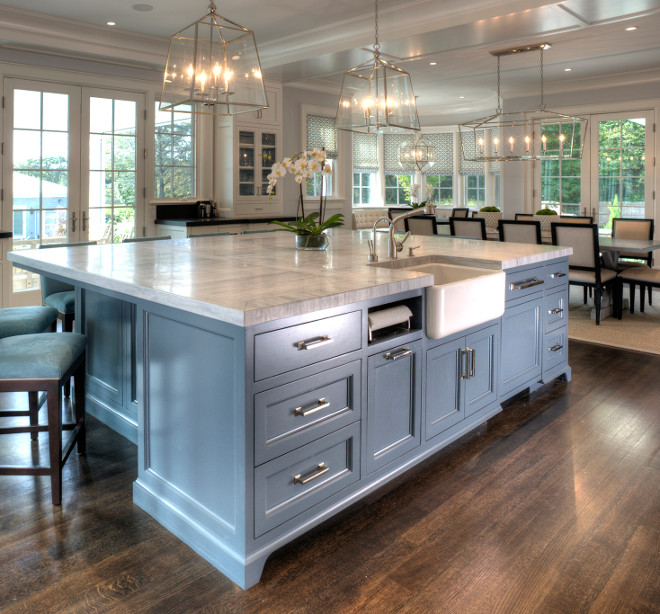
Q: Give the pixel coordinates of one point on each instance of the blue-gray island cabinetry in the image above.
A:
(263, 406)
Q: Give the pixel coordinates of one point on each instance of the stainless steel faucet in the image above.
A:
(394, 246)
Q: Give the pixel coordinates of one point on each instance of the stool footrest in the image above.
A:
(12, 470)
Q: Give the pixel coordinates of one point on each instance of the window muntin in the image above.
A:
(364, 188)
(174, 154)
(440, 189)
(561, 179)
(475, 191)
(397, 189)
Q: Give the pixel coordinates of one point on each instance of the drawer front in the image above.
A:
(295, 414)
(556, 310)
(520, 284)
(555, 349)
(556, 274)
(285, 349)
(294, 482)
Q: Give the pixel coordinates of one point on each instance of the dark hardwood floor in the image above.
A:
(552, 506)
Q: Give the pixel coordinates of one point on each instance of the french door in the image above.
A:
(71, 170)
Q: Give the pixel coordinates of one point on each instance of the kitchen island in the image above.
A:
(245, 372)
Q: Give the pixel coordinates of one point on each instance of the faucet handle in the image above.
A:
(399, 244)
(412, 249)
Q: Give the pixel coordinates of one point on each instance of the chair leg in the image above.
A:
(79, 406)
(597, 303)
(54, 403)
(650, 295)
(585, 294)
(632, 297)
(33, 404)
(642, 297)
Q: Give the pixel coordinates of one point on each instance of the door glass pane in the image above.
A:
(621, 167)
(561, 186)
(40, 178)
(113, 166)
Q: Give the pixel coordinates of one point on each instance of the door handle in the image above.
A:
(85, 220)
(73, 221)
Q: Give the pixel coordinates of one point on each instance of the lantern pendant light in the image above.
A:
(377, 96)
(213, 67)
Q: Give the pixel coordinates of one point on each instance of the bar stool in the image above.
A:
(26, 320)
(44, 362)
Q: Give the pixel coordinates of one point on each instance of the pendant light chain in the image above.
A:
(542, 107)
(499, 97)
(376, 45)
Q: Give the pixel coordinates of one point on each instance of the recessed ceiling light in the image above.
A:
(631, 28)
(143, 8)
(110, 23)
(567, 69)
(432, 63)
(461, 97)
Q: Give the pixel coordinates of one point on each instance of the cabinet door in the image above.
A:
(393, 404)
(481, 385)
(445, 364)
(521, 346)
(246, 166)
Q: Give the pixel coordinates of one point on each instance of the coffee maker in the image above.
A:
(206, 208)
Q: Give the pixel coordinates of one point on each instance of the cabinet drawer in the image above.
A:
(556, 310)
(292, 415)
(556, 274)
(555, 348)
(294, 482)
(282, 350)
(520, 284)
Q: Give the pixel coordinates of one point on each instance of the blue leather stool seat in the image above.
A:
(40, 356)
(45, 362)
(25, 320)
(64, 302)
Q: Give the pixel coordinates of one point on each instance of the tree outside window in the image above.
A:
(174, 155)
(397, 189)
(363, 188)
(475, 191)
(561, 179)
(439, 189)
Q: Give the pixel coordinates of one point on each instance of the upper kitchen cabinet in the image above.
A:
(247, 146)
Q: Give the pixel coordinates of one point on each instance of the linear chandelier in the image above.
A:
(213, 67)
(538, 134)
(377, 97)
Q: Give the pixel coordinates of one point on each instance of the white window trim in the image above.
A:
(337, 177)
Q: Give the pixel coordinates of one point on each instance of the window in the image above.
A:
(475, 190)
(397, 189)
(364, 184)
(174, 155)
(440, 189)
(321, 134)
(560, 179)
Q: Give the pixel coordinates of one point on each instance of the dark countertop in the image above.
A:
(220, 221)
(5, 234)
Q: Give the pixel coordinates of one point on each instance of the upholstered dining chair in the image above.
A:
(43, 362)
(638, 229)
(520, 231)
(644, 277)
(468, 228)
(576, 219)
(460, 212)
(392, 212)
(584, 263)
(525, 216)
(59, 294)
(142, 239)
(421, 225)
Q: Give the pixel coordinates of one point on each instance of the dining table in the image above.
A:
(611, 247)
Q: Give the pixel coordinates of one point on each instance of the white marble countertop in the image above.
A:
(250, 279)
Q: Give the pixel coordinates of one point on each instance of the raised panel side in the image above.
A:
(481, 386)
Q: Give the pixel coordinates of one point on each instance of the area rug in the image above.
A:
(637, 331)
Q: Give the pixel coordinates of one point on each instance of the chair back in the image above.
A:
(468, 228)
(525, 216)
(583, 238)
(51, 286)
(421, 225)
(633, 228)
(392, 212)
(460, 212)
(520, 231)
(142, 239)
(576, 219)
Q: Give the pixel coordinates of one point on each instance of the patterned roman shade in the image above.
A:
(391, 144)
(468, 167)
(365, 152)
(443, 143)
(321, 133)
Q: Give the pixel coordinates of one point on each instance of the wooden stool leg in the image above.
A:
(67, 327)
(79, 404)
(54, 403)
(33, 400)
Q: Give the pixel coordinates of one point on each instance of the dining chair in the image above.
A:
(59, 294)
(644, 277)
(520, 231)
(584, 263)
(525, 216)
(44, 362)
(141, 239)
(392, 212)
(575, 219)
(421, 225)
(468, 228)
(460, 212)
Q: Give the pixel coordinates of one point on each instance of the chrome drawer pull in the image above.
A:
(465, 365)
(527, 283)
(398, 354)
(321, 404)
(555, 311)
(472, 361)
(317, 473)
(556, 275)
(555, 348)
(317, 342)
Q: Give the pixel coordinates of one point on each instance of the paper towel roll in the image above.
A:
(389, 317)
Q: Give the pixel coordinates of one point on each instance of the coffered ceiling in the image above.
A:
(310, 44)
